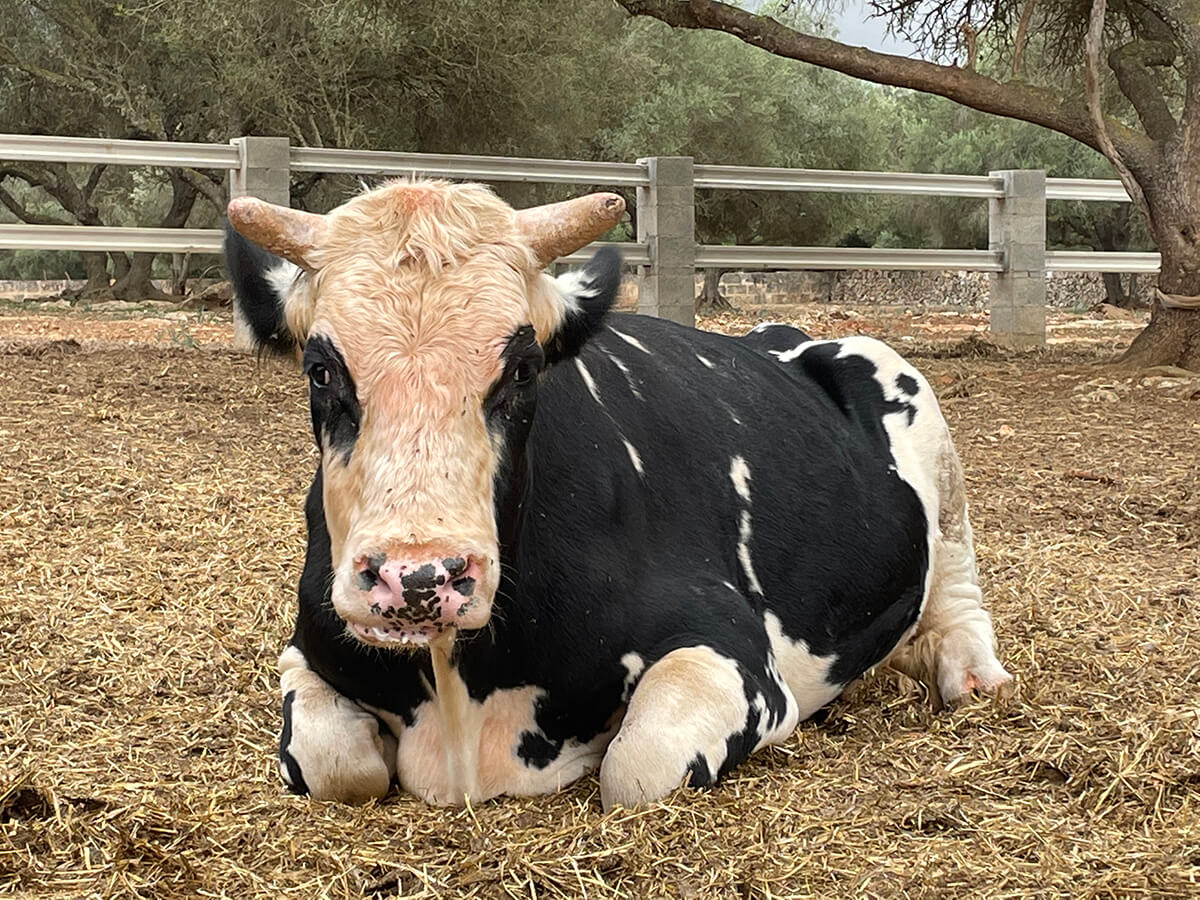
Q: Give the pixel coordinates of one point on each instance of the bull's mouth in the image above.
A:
(392, 635)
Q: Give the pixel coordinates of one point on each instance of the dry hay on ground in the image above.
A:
(151, 538)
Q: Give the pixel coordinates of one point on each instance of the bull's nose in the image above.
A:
(418, 590)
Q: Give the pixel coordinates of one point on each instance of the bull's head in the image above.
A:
(423, 321)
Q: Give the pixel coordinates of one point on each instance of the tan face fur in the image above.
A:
(419, 287)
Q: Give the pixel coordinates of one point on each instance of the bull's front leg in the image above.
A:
(694, 715)
(330, 747)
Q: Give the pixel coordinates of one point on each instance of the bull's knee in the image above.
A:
(330, 747)
(689, 720)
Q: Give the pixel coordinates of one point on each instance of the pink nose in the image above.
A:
(417, 592)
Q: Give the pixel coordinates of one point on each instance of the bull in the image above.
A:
(544, 539)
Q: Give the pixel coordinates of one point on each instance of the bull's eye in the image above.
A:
(319, 376)
(526, 372)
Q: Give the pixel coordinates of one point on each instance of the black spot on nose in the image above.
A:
(422, 579)
(465, 586)
(369, 576)
(419, 586)
(455, 566)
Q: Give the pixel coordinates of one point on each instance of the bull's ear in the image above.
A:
(588, 294)
(261, 283)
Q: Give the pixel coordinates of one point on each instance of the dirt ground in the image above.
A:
(151, 536)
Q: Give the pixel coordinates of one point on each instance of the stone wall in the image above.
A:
(853, 288)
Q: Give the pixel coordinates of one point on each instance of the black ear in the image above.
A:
(589, 294)
(260, 283)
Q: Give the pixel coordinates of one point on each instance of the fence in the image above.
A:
(665, 252)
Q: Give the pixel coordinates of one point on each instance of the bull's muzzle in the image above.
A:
(412, 598)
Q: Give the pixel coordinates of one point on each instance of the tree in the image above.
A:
(794, 116)
(1152, 135)
(931, 134)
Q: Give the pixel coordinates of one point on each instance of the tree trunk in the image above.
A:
(1115, 292)
(135, 283)
(1171, 339)
(97, 285)
(711, 298)
(1173, 336)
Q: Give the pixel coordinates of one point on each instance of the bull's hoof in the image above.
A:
(987, 680)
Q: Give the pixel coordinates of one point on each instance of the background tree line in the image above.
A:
(480, 76)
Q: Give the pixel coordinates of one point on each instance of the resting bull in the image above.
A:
(543, 539)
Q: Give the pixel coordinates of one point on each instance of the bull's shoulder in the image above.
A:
(864, 377)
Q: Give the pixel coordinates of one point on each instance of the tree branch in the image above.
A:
(1016, 100)
(22, 212)
(1091, 89)
(1018, 52)
(1131, 64)
(210, 189)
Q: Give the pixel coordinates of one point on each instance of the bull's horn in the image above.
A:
(558, 229)
(291, 233)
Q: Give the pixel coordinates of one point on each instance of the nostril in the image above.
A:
(368, 571)
(454, 566)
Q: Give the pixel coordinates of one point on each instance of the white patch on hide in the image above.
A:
(805, 674)
(629, 339)
(588, 380)
(490, 733)
(634, 667)
(634, 456)
(745, 532)
(705, 362)
(633, 387)
(739, 474)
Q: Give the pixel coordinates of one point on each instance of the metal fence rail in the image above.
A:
(665, 190)
(486, 168)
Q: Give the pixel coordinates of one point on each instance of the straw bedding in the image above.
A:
(150, 501)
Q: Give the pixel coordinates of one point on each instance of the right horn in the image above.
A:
(294, 234)
(558, 229)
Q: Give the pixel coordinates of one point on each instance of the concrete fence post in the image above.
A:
(1017, 228)
(666, 224)
(263, 172)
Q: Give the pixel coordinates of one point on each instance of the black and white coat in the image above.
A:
(704, 540)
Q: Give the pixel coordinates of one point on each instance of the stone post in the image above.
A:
(666, 223)
(264, 173)
(1017, 228)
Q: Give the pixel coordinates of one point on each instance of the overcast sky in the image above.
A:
(853, 27)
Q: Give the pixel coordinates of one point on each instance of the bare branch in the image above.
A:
(1091, 72)
(93, 181)
(1131, 64)
(209, 188)
(1022, 35)
(13, 205)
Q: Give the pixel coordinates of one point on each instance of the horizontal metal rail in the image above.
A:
(197, 240)
(46, 148)
(755, 178)
(1090, 261)
(132, 240)
(487, 168)
(719, 256)
(631, 254)
(1085, 189)
(208, 240)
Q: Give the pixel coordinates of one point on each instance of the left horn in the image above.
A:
(294, 234)
(558, 229)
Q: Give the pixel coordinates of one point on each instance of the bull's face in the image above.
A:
(423, 323)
